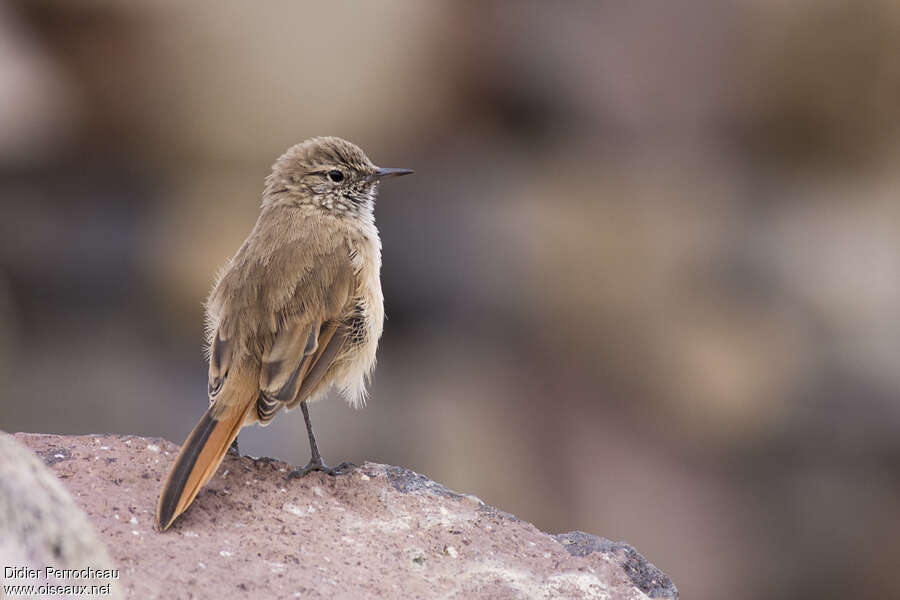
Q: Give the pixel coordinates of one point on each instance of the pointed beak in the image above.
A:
(381, 173)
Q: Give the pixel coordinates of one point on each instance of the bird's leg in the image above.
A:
(315, 462)
(233, 449)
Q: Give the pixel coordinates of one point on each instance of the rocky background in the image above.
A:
(645, 282)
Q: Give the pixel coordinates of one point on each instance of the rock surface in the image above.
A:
(378, 531)
(41, 526)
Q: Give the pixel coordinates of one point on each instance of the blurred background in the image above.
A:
(645, 282)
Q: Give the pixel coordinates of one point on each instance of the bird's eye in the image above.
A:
(335, 175)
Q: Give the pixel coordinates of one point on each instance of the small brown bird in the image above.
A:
(298, 308)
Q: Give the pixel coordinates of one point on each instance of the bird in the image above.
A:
(296, 311)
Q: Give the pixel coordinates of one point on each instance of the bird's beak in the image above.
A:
(381, 173)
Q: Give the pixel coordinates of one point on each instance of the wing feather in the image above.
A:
(306, 344)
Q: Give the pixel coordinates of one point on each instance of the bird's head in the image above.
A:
(327, 172)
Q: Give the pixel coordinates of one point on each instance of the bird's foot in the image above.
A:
(318, 465)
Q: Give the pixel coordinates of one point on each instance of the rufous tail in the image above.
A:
(200, 456)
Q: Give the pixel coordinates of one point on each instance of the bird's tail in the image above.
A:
(200, 456)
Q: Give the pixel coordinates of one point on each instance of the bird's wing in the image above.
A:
(289, 381)
(278, 310)
(306, 342)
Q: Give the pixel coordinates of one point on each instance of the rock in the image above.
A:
(378, 531)
(44, 532)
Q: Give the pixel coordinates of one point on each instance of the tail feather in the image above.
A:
(197, 461)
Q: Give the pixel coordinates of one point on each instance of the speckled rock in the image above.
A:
(378, 531)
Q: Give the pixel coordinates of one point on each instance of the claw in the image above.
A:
(318, 465)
